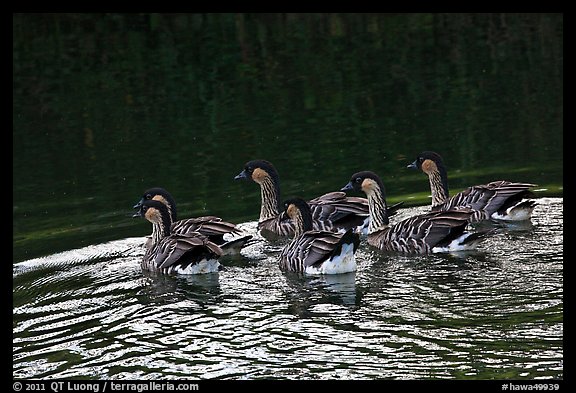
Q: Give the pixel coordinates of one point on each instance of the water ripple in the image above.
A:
(497, 312)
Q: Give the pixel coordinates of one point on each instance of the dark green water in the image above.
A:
(105, 106)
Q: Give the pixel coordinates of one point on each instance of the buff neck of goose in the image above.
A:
(264, 174)
(167, 200)
(157, 213)
(159, 231)
(270, 194)
(377, 206)
(370, 184)
(438, 184)
(432, 165)
(299, 212)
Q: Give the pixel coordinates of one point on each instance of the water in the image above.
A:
(494, 313)
(106, 106)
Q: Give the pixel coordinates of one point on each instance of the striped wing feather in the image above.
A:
(488, 198)
(313, 247)
(322, 246)
(279, 225)
(336, 206)
(335, 209)
(423, 232)
(207, 225)
(184, 250)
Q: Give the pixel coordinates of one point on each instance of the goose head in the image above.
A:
(258, 171)
(298, 210)
(161, 195)
(427, 162)
(365, 181)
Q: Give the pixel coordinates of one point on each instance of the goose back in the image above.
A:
(190, 253)
(316, 251)
(211, 226)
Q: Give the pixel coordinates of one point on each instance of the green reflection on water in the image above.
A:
(105, 106)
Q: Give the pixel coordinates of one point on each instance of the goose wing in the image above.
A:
(315, 247)
(280, 225)
(211, 226)
(184, 250)
(335, 206)
(423, 232)
(335, 210)
(489, 197)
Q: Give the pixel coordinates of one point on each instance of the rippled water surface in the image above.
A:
(108, 105)
(495, 313)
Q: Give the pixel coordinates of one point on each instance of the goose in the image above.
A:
(316, 251)
(499, 200)
(333, 211)
(189, 253)
(432, 232)
(213, 227)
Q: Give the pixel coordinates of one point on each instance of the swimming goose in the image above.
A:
(499, 200)
(426, 233)
(213, 227)
(189, 253)
(315, 251)
(332, 211)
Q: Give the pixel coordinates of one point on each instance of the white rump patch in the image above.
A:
(343, 263)
(514, 214)
(457, 245)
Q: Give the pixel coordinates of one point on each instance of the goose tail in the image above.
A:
(521, 211)
(467, 241)
(234, 246)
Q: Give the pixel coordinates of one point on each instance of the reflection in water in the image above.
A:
(307, 292)
(496, 313)
(343, 285)
(160, 289)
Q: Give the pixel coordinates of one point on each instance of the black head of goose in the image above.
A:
(159, 194)
(422, 234)
(213, 227)
(499, 200)
(190, 253)
(316, 251)
(333, 211)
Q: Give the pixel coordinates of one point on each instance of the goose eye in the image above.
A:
(421, 159)
(148, 196)
(358, 180)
